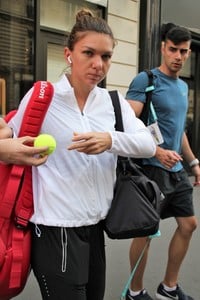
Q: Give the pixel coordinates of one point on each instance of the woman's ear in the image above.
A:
(67, 53)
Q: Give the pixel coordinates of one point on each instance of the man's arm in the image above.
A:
(186, 150)
(166, 157)
(137, 106)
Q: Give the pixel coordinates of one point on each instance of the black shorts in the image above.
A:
(69, 263)
(177, 190)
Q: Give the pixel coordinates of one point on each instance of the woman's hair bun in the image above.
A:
(82, 13)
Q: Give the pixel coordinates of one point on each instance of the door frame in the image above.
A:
(42, 48)
(196, 125)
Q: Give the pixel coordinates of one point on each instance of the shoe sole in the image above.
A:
(160, 297)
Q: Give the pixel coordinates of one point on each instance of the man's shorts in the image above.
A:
(177, 190)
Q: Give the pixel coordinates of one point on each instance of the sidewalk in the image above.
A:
(118, 265)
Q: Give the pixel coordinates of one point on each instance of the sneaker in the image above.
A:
(143, 295)
(178, 294)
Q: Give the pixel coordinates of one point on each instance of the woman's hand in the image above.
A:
(91, 142)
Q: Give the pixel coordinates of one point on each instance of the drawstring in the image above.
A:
(37, 231)
(64, 248)
(63, 242)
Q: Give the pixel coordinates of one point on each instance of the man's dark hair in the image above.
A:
(174, 33)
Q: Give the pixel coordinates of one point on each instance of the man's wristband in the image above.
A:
(194, 162)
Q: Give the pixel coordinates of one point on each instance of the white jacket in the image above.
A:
(75, 189)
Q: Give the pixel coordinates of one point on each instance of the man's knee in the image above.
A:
(187, 225)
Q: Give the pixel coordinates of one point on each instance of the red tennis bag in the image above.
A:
(16, 201)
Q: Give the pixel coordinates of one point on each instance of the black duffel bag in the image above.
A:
(135, 208)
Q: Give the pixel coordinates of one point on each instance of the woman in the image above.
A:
(74, 188)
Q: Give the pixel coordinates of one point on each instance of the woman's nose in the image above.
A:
(97, 62)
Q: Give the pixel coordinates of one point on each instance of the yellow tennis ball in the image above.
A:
(44, 140)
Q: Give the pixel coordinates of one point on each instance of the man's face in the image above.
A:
(174, 56)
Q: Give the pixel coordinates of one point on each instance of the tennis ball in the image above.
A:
(44, 140)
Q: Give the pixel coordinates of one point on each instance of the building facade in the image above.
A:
(33, 35)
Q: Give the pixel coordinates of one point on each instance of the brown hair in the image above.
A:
(174, 33)
(86, 21)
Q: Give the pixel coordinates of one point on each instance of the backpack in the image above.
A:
(16, 201)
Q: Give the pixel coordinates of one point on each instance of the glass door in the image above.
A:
(50, 61)
(56, 18)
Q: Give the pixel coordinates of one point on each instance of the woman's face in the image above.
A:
(91, 59)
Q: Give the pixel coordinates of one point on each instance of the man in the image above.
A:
(16, 150)
(170, 102)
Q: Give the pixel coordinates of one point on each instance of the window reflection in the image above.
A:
(16, 48)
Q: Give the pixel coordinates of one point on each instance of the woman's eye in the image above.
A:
(106, 57)
(88, 53)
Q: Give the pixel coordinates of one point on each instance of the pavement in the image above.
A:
(117, 252)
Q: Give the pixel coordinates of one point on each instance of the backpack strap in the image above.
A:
(148, 91)
(36, 108)
(16, 181)
(14, 174)
(31, 125)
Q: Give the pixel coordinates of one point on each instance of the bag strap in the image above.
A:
(148, 91)
(126, 287)
(18, 194)
(36, 108)
(117, 109)
(118, 124)
(31, 124)
(146, 109)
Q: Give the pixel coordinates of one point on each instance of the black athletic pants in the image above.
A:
(69, 263)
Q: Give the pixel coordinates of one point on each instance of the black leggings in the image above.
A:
(69, 263)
